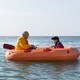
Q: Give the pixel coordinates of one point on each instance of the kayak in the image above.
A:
(44, 54)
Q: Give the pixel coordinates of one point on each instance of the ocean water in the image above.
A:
(32, 70)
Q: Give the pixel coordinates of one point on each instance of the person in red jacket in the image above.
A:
(57, 43)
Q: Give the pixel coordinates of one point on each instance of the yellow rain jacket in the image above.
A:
(22, 43)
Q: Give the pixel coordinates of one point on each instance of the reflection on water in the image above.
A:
(41, 70)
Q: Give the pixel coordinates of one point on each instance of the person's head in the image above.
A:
(55, 39)
(25, 34)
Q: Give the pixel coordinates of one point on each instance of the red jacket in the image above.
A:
(58, 45)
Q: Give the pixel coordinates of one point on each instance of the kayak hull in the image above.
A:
(42, 54)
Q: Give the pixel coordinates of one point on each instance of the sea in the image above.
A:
(39, 70)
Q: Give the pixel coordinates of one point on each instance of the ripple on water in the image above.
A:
(40, 70)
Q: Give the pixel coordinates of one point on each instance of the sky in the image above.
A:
(40, 17)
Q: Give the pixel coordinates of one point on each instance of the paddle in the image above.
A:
(8, 46)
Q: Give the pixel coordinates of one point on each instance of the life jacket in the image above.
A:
(58, 45)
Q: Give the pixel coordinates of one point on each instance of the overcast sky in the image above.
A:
(40, 17)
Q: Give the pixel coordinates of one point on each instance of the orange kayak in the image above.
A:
(44, 53)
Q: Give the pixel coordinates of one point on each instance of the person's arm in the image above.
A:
(23, 44)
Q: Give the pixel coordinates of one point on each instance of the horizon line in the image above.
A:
(40, 35)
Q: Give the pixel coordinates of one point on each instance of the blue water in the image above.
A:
(19, 70)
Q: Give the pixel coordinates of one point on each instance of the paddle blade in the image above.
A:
(8, 46)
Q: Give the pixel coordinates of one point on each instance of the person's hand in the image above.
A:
(52, 46)
(33, 47)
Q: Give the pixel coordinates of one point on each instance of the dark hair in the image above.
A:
(55, 38)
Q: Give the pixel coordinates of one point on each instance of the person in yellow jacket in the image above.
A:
(22, 42)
